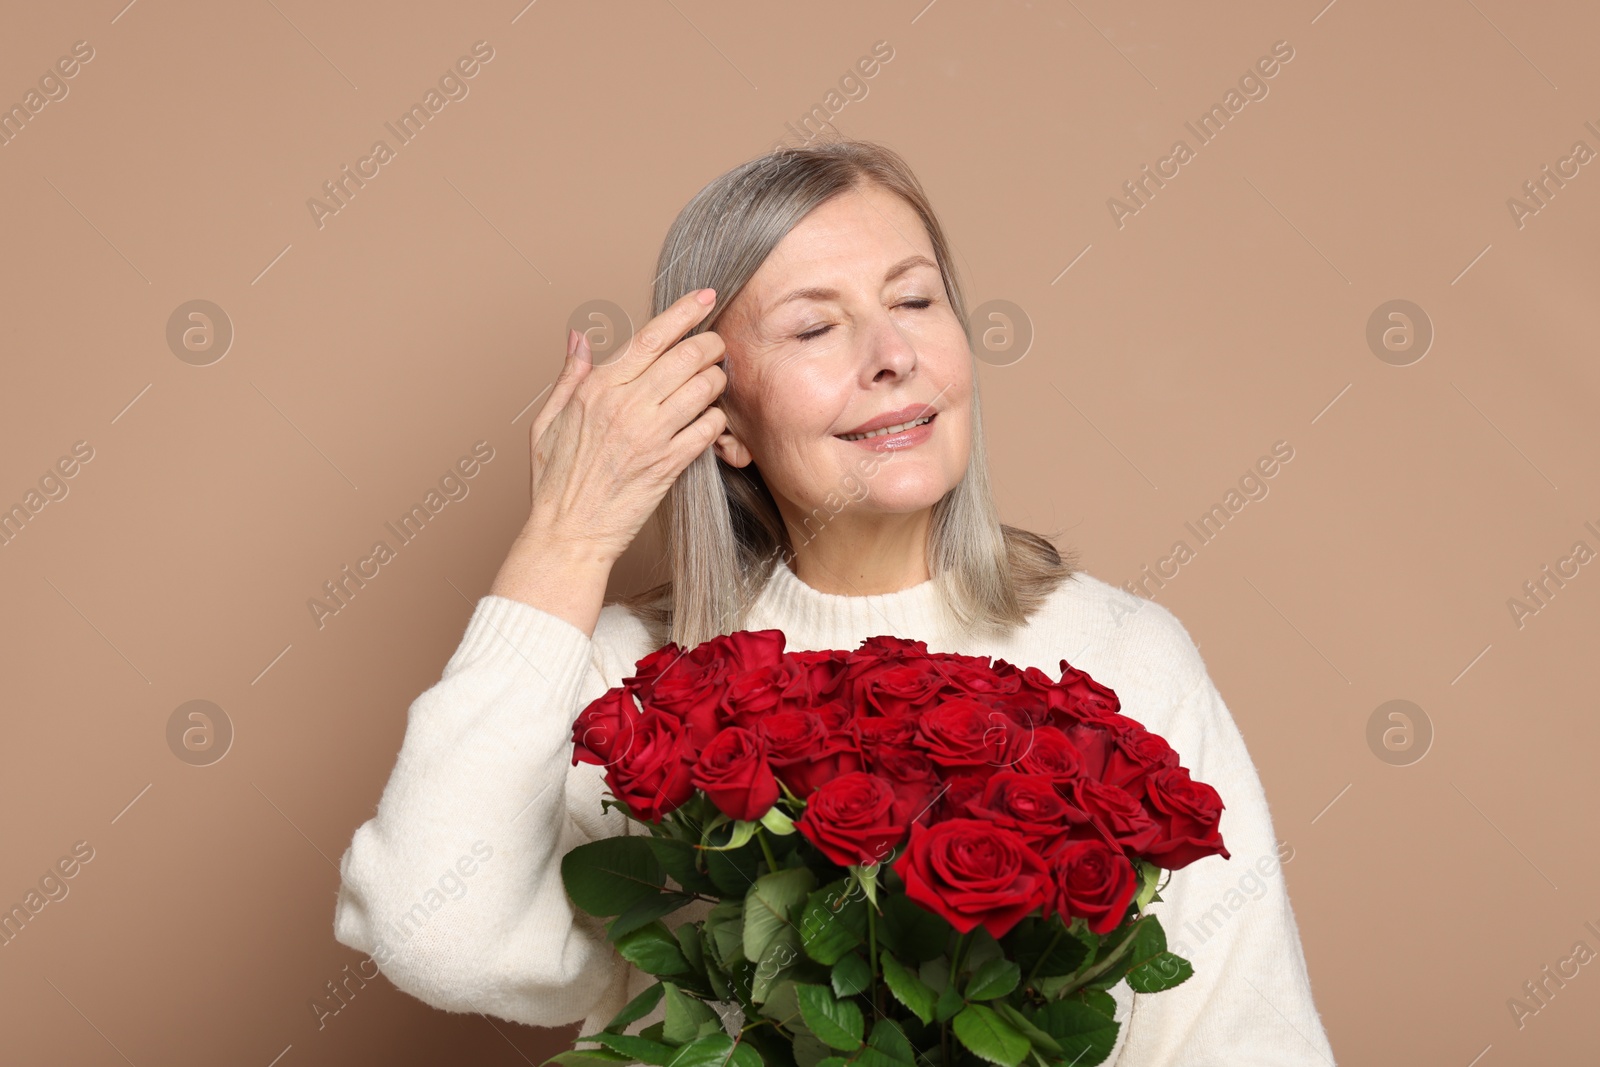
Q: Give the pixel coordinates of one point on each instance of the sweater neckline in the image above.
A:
(812, 617)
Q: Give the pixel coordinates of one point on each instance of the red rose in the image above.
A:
(1113, 814)
(822, 672)
(603, 731)
(837, 754)
(964, 734)
(851, 819)
(1187, 814)
(654, 778)
(733, 772)
(976, 678)
(973, 873)
(743, 650)
(913, 777)
(791, 736)
(1045, 751)
(896, 688)
(876, 730)
(691, 691)
(1026, 804)
(958, 791)
(1134, 755)
(749, 695)
(1094, 741)
(1093, 881)
(1087, 699)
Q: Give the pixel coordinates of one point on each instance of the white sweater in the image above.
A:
(454, 886)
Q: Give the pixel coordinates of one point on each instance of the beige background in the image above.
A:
(1230, 312)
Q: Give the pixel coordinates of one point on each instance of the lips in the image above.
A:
(909, 413)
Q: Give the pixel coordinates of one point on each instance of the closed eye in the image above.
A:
(919, 303)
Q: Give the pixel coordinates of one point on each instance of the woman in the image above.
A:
(838, 314)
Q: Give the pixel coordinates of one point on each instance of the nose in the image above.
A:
(889, 352)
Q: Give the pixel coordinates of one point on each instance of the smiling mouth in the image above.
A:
(887, 430)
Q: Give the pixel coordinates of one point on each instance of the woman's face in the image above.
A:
(848, 320)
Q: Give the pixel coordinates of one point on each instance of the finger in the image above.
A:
(696, 437)
(665, 330)
(694, 396)
(686, 359)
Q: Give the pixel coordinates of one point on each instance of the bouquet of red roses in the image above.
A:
(911, 857)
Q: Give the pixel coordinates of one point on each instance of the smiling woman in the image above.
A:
(806, 360)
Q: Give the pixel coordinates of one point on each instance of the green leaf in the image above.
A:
(834, 922)
(912, 934)
(773, 904)
(725, 923)
(1100, 1001)
(935, 973)
(732, 872)
(1024, 1026)
(606, 877)
(907, 988)
(589, 1057)
(637, 1008)
(887, 1047)
(781, 1004)
(990, 1036)
(716, 1050)
(779, 957)
(1084, 1034)
(1144, 941)
(718, 981)
(1161, 971)
(836, 1022)
(1149, 875)
(686, 1017)
(777, 822)
(689, 944)
(1029, 939)
(644, 910)
(742, 833)
(994, 978)
(949, 1002)
(678, 859)
(639, 1048)
(653, 949)
(810, 1052)
(850, 976)
(866, 876)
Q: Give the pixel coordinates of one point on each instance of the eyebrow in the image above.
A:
(816, 293)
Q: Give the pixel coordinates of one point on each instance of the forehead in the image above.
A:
(852, 239)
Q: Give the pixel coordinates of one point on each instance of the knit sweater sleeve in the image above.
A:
(1249, 1001)
(454, 886)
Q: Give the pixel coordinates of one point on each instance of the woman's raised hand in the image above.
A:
(609, 441)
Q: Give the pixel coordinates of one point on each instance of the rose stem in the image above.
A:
(772, 864)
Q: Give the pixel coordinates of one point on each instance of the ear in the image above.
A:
(732, 450)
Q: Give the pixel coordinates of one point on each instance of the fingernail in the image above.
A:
(706, 296)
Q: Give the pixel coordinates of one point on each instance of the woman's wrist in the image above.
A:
(559, 575)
